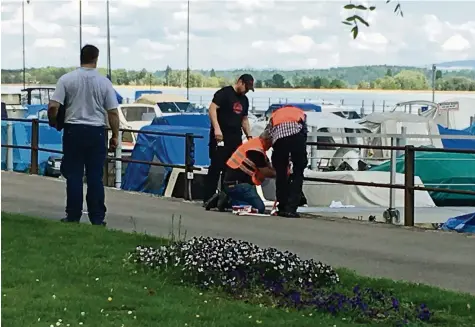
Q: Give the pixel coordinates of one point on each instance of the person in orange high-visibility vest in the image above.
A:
(288, 130)
(247, 167)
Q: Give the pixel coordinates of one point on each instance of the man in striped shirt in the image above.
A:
(288, 129)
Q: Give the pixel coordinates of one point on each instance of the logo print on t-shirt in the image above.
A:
(237, 108)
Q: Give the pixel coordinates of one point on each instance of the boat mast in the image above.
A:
(188, 54)
(109, 69)
(80, 26)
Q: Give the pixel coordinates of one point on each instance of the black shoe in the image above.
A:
(223, 202)
(288, 214)
(66, 220)
(103, 224)
(212, 202)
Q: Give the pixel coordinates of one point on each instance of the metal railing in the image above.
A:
(409, 186)
(409, 171)
(34, 147)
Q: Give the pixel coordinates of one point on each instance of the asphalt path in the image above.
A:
(437, 258)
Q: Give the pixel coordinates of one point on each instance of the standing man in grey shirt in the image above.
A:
(89, 101)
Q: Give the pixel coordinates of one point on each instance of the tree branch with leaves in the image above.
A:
(355, 20)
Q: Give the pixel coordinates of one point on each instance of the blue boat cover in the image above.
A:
(33, 109)
(454, 143)
(167, 149)
(120, 99)
(49, 138)
(138, 94)
(184, 120)
(470, 129)
(462, 224)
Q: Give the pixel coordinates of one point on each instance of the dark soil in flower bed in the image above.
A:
(64, 275)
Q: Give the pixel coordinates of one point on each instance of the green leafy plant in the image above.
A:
(355, 20)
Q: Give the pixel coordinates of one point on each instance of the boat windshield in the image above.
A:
(347, 114)
(36, 96)
(174, 107)
(134, 113)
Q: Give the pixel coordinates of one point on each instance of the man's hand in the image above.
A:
(52, 122)
(53, 108)
(113, 142)
(246, 127)
(218, 135)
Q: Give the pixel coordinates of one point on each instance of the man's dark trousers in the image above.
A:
(84, 148)
(289, 191)
(218, 156)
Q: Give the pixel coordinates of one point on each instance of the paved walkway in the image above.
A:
(442, 259)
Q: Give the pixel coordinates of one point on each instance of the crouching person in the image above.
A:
(248, 167)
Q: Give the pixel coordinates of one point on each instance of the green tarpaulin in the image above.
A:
(442, 170)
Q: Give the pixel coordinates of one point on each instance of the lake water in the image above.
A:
(262, 98)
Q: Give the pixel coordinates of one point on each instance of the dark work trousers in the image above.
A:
(245, 194)
(289, 190)
(84, 148)
(218, 156)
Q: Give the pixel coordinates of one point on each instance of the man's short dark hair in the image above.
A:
(89, 54)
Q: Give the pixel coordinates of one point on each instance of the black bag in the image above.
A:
(60, 118)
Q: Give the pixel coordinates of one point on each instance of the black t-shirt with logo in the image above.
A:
(232, 108)
(237, 175)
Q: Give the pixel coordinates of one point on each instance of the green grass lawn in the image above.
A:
(71, 275)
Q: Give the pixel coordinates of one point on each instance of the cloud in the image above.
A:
(49, 43)
(308, 23)
(237, 33)
(456, 43)
(148, 45)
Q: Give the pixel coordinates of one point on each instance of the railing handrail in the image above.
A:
(34, 148)
(42, 121)
(195, 136)
(391, 148)
(400, 136)
(409, 162)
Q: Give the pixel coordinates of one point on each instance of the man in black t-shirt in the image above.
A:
(228, 114)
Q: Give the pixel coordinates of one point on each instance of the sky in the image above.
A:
(227, 34)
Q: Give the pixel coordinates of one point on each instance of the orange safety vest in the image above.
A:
(287, 114)
(239, 160)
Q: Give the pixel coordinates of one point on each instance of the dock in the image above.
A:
(442, 259)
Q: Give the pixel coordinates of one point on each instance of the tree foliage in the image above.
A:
(356, 20)
(363, 77)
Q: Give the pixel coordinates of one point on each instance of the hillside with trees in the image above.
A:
(361, 77)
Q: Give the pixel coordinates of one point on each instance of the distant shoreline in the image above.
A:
(161, 87)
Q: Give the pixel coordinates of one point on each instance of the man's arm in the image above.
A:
(261, 162)
(110, 105)
(213, 110)
(246, 127)
(213, 116)
(245, 120)
(56, 101)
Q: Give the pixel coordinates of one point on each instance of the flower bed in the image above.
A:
(276, 278)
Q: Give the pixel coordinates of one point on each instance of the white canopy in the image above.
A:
(453, 113)
(319, 120)
(392, 123)
(322, 194)
(315, 122)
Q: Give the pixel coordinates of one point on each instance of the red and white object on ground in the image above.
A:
(273, 212)
(243, 209)
(247, 210)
